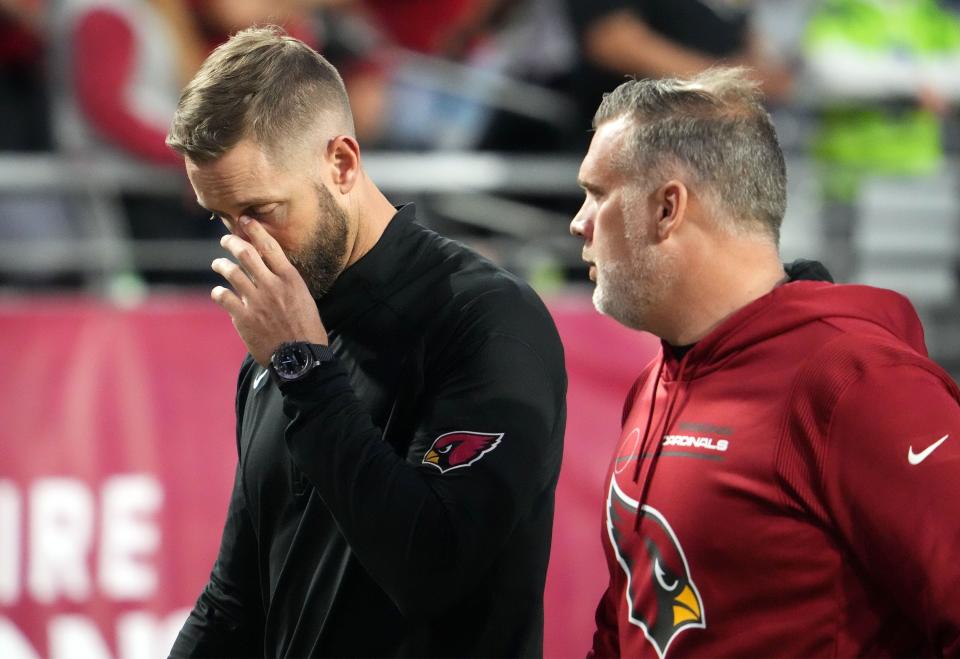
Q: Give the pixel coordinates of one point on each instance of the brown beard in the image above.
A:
(323, 257)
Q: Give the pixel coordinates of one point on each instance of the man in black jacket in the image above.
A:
(401, 413)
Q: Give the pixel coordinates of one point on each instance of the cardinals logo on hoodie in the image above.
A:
(662, 598)
(460, 449)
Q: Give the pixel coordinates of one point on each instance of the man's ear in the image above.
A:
(670, 201)
(343, 159)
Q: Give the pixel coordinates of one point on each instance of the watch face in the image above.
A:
(292, 360)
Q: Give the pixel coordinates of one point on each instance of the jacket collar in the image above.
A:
(355, 288)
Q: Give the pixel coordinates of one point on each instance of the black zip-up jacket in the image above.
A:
(400, 501)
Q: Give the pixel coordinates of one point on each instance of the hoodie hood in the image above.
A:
(785, 310)
(791, 306)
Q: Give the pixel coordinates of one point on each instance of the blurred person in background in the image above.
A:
(885, 73)
(24, 108)
(418, 72)
(401, 412)
(119, 66)
(122, 64)
(218, 19)
(662, 38)
(787, 473)
(27, 219)
(427, 110)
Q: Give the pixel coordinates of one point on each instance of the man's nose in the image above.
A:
(581, 225)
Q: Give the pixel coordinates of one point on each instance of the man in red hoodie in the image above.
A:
(788, 470)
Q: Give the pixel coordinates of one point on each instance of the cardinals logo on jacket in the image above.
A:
(662, 598)
(460, 449)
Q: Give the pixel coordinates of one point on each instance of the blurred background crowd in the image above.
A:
(479, 110)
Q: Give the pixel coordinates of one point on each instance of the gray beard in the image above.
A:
(629, 291)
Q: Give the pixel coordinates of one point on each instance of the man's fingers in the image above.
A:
(227, 299)
(266, 245)
(248, 258)
(236, 277)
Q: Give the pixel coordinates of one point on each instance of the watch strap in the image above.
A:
(317, 354)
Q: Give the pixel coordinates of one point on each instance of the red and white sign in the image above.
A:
(117, 455)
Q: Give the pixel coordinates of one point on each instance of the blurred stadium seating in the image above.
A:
(64, 220)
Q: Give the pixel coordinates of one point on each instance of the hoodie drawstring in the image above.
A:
(658, 442)
(642, 446)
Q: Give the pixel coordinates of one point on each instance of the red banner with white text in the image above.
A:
(117, 454)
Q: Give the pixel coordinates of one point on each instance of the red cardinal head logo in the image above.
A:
(460, 449)
(662, 598)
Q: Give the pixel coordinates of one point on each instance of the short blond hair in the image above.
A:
(262, 84)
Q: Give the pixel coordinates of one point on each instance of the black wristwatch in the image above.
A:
(293, 361)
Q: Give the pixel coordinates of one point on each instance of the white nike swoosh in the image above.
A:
(917, 458)
(259, 379)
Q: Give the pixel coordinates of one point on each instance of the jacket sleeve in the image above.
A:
(427, 535)
(892, 483)
(228, 618)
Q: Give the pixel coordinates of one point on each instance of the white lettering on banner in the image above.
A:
(61, 520)
(143, 636)
(77, 637)
(13, 643)
(129, 534)
(9, 543)
(140, 635)
(47, 534)
(61, 535)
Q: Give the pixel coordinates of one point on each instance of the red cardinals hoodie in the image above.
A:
(789, 487)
